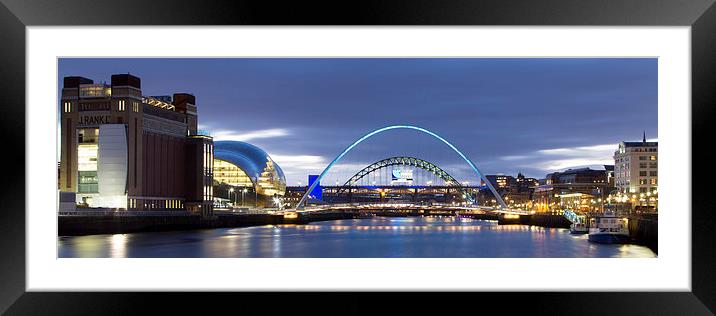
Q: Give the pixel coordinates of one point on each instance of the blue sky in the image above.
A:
(507, 115)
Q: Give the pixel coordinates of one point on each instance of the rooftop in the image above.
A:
(641, 144)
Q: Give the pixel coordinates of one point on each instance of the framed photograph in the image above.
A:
(540, 150)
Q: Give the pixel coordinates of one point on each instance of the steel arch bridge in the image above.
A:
(302, 202)
(406, 161)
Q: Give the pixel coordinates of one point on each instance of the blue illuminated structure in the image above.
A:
(302, 202)
(317, 192)
(251, 160)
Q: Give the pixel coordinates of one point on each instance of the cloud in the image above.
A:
(302, 162)
(515, 157)
(554, 159)
(561, 164)
(245, 136)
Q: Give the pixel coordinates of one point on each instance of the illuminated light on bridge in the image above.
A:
(408, 206)
(301, 203)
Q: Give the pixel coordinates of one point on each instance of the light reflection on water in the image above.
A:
(381, 237)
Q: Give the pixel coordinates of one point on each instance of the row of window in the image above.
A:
(641, 165)
(641, 157)
(208, 193)
(121, 106)
(652, 181)
(152, 204)
(644, 150)
(645, 189)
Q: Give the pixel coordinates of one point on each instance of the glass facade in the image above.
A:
(87, 168)
(95, 91)
(245, 165)
(87, 150)
(88, 182)
(270, 182)
(226, 172)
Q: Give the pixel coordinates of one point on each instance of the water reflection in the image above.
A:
(380, 237)
(118, 246)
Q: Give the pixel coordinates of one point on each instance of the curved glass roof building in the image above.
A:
(245, 165)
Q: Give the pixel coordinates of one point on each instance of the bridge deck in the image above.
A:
(385, 206)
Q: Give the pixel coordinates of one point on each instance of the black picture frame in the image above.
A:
(15, 15)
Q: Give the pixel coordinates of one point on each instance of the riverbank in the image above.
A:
(366, 237)
(94, 225)
(643, 231)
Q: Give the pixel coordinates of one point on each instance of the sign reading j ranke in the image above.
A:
(94, 118)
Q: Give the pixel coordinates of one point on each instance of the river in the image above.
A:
(379, 237)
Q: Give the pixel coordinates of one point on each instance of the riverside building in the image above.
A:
(243, 168)
(636, 167)
(582, 189)
(120, 149)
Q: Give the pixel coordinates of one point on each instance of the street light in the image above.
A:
(277, 201)
(242, 195)
(230, 191)
(256, 192)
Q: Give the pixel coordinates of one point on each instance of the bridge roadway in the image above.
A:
(290, 213)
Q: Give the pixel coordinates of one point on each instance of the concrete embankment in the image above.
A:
(92, 225)
(645, 231)
(108, 224)
(642, 230)
(553, 221)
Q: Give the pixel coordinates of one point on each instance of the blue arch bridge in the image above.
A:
(359, 192)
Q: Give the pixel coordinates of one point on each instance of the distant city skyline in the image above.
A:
(534, 116)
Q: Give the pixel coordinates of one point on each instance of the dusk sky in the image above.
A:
(507, 115)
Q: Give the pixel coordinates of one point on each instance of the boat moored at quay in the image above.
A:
(608, 229)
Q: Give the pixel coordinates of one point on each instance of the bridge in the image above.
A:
(357, 182)
(359, 210)
(574, 218)
(411, 206)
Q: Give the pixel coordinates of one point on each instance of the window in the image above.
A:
(88, 182)
(642, 181)
(652, 157)
(642, 157)
(87, 135)
(642, 165)
(67, 107)
(652, 173)
(87, 157)
(135, 106)
(642, 173)
(120, 105)
(652, 165)
(653, 181)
